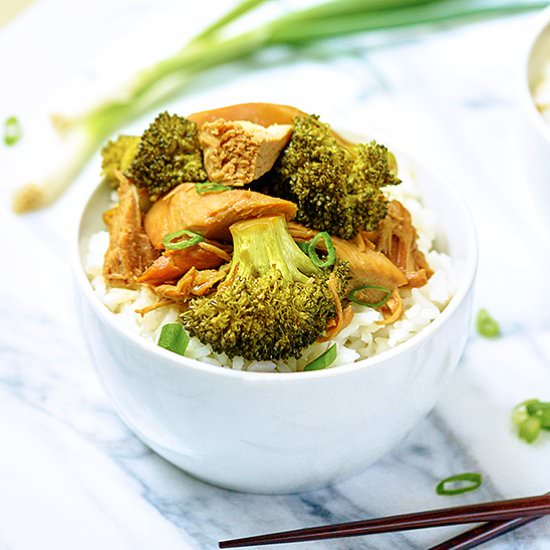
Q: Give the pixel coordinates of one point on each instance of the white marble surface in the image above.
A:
(73, 476)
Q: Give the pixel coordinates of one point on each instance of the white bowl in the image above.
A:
(536, 138)
(280, 432)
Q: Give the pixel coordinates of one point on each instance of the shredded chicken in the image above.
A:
(209, 214)
(174, 263)
(237, 152)
(196, 282)
(367, 266)
(392, 309)
(396, 237)
(343, 316)
(130, 251)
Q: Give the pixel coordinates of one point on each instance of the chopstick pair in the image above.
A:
(502, 516)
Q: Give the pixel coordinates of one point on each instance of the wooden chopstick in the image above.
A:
(483, 533)
(472, 513)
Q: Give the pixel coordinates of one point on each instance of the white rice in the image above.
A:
(361, 339)
(541, 94)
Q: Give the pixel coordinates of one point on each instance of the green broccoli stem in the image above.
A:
(261, 245)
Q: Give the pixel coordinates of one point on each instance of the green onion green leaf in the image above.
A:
(173, 338)
(469, 481)
(324, 360)
(210, 187)
(12, 131)
(380, 303)
(194, 238)
(331, 252)
(487, 326)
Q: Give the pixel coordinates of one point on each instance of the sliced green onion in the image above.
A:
(173, 338)
(194, 238)
(531, 416)
(487, 326)
(520, 413)
(331, 252)
(473, 481)
(210, 187)
(380, 303)
(545, 419)
(529, 429)
(324, 360)
(12, 131)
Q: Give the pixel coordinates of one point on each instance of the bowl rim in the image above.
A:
(467, 277)
(537, 29)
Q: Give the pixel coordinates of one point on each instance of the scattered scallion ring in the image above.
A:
(331, 252)
(173, 338)
(380, 303)
(487, 326)
(12, 131)
(210, 187)
(324, 360)
(194, 238)
(474, 479)
(531, 416)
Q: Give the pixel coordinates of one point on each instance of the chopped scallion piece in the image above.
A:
(331, 252)
(487, 326)
(380, 303)
(173, 338)
(324, 360)
(531, 416)
(194, 238)
(210, 187)
(529, 429)
(472, 481)
(12, 131)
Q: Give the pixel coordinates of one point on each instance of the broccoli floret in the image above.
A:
(168, 154)
(117, 155)
(274, 303)
(337, 188)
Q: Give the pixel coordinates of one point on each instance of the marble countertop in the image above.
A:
(73, 476)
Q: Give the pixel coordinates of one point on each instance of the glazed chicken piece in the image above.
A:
(367, 266)
(396, 237)
(237, 152)
(209, 214)
(174, 263)
(263, 114)
(130, 251)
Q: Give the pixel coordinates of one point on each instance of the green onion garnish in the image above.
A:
(531, 416)
(529, 429)
(324, 360)
(331, 253)
(210, 187)
(194, 239)
(380, 303)
(12, 131)
(473, 480)
(487, 326)
(173, 338)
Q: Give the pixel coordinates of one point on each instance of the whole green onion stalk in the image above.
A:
(216, 46)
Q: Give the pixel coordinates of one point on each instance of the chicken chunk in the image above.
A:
(367, 266)
(209, 214)
(238, 152)
(130, 251)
